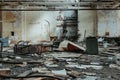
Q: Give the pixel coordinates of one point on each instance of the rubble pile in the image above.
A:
(61, 64)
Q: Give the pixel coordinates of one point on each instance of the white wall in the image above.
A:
(36, 21)
(87, 22)
(11, 22)
(118, 22)
(40, 24)
(108, 21)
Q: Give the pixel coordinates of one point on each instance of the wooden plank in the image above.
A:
(4, 72)
(74, 73)
(26, 73)
(34, 79)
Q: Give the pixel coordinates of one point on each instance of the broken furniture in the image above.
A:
(41, 47)
(111, 40)
(32, 48)
(92, 45)
(70, 46)
(21, 48)
(3, 43)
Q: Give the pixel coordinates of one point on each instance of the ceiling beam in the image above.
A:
(42, 5)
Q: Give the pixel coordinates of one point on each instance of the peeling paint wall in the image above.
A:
(32, 25)
(11, 22)
(71, 21)
(86, 19)
(108, 23)
(39, 25)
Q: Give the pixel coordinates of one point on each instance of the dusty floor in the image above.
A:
(63, 65)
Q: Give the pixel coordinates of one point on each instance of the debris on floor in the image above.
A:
(59, 72)
(4, 71)
(70, 46)
(63, 65)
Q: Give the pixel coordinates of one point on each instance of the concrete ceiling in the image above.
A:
(58, 4)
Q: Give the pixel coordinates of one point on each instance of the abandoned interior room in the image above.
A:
(59, 40)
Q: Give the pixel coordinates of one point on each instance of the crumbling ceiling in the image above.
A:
(58, 4)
